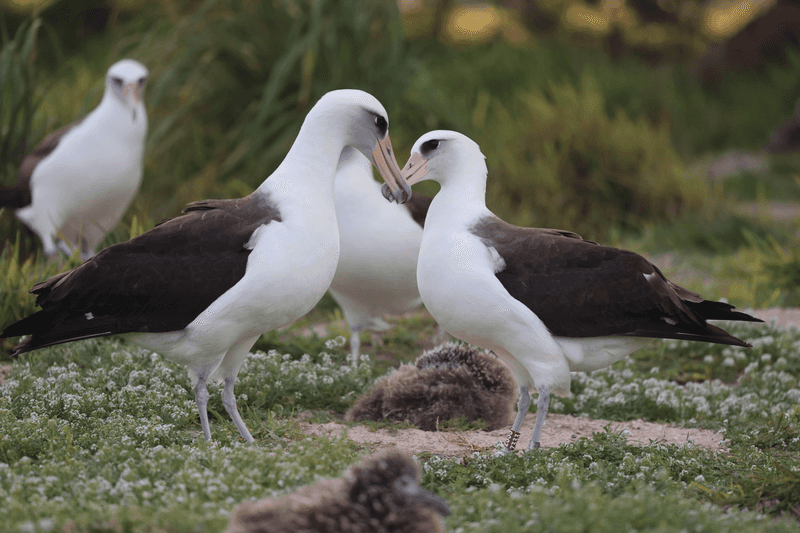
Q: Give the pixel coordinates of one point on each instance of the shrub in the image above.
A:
(557, 159)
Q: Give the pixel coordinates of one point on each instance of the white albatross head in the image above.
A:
(366, 129)
(447, 157)
(126, 80)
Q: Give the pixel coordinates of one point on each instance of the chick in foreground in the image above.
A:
(379, 495)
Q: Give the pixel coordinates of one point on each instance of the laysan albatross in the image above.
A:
(74, 187)
(377, 272)
(545, 301)
(201, 288)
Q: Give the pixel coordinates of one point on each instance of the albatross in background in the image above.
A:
(76, 185)
(201, 288)
(545, 301)
(377, 272)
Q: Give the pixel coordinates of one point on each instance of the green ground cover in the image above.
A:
(104, 436)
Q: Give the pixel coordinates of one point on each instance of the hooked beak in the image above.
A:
(132, 93)
(395, 188)
(416, 167)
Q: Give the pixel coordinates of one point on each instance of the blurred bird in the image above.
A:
(74, 187)
(380, 495)
(450, 381)
(545, 301)
(377, 272)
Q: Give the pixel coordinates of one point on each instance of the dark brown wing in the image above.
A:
(418, 207)
(159, 281)
(581, 289)
(19, 194)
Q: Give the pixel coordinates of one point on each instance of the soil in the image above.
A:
(557, 429)
(784, 316)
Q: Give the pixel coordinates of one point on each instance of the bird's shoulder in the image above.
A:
(538, 248)
(42, 150)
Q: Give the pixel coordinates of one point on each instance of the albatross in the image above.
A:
(545, 301)
(74, 187)
(200, 289)
(377, 273)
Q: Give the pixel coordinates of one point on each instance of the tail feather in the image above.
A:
(709, 333)
(47, 329)
(711, 310)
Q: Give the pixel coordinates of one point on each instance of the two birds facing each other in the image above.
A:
(199, 289)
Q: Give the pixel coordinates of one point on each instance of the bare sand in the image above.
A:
(557, 429)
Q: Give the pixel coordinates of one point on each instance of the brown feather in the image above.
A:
(19, 194)
(579, 288)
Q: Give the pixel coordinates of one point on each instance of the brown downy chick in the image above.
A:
(381, 494)
(448, 382)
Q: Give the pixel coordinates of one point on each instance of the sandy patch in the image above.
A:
(5, 370)
(557, 429)
(785, 316)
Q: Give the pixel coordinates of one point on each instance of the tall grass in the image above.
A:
(17, 85)
(231, 82)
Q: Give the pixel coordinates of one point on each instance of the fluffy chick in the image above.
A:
(445, 383)
(381, 494)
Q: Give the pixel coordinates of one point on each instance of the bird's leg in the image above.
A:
(229, 401)
(441, 335)
(49, 246)
(541, 411)
(355, 345)
(86, 251)
(201, 399)
(65, 248)
(522, 410)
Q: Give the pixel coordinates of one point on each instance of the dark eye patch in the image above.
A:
(382, 125)
(117, 81)
(429, 146)
(142, 81)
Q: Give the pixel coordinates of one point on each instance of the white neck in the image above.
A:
(309, 167)
(459, 201)
(114, 118)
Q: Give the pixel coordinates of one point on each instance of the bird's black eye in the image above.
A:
(142, 81)
(380, 122)
(117, 81)
(429, 146)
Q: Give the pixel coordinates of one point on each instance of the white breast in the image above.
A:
(377, 271)
(457, 282)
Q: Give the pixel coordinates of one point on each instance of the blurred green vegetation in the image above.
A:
(576, 136)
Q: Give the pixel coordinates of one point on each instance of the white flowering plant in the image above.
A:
(103, 436)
